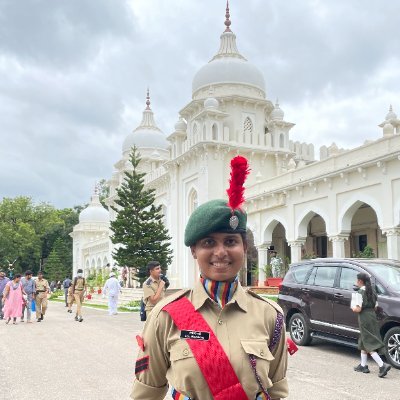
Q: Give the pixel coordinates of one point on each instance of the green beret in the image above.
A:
(213, 216)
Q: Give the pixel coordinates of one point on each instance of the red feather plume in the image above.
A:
(239, 171)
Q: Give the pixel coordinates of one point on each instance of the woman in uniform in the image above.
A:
(370, 341)
(216, 340)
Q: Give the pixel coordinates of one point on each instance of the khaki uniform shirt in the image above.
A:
(244, 326)
(42, 285)
(150, 288)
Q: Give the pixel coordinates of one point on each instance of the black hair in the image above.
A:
(151, 265)
(28, 272)
(17, 276)
(371, 295)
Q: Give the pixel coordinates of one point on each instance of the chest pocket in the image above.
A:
(185, 375)
(264, 357)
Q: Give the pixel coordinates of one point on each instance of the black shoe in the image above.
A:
(80, 319)
(384, 370)
(76, 318)
(70, 311)
(39, 320)
(360, 368)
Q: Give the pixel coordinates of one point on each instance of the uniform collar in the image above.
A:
(200, 296)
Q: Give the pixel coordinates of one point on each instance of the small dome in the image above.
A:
(94, 212)
(388, 129)
(211, 102)
(277, 113)
(181, 125)
(147, 134)
(391, 115)
(155, 154)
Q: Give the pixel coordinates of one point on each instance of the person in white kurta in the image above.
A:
(113, 289)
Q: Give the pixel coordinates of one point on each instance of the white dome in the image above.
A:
(147, 134)
(94, 212)
(228, 70)
(277, 113)
(211, 102)
(391, 115)
(145, 138)
(228, 66)
(181, 125)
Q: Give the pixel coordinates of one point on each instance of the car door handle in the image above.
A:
(305, 290)
(338, 295)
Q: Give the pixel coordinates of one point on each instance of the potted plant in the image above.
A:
(270, 280)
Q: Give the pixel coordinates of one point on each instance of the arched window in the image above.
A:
(247, 126)
(215, 132)
(195, 129)
(204, 132)
(281, 140)
(193, 201)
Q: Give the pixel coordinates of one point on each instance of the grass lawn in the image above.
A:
(100, 306)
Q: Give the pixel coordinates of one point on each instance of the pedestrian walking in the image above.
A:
(79, 290)
(215, 340)
(153, 287)
(112, 288)
(13, 299)
(66, 284)
(29, 287)
(3, 283)
(42, 289)
(369, 341)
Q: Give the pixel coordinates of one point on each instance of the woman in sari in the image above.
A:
(13, 299)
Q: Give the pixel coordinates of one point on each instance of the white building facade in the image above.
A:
(303, 207)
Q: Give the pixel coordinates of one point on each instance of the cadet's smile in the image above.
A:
(220, 255)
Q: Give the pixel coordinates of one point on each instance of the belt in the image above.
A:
(40, 291)
(179, 396)
(78, 290)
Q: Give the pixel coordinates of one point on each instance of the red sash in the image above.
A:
(209, 354)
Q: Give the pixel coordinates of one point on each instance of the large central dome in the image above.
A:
(228, 66)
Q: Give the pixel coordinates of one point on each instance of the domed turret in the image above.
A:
(147, 134)
(277, 113)
(211, 102)
(228, 66)
(181, 125)
(391, 115)
(94, 212)
(388, 129)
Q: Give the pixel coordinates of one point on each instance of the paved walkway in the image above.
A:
(60, 359)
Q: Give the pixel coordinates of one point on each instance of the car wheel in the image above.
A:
(392, 346)
(299, 330)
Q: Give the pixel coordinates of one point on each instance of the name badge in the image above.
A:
(195, 335)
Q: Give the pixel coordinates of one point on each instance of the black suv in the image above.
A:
(315, 296)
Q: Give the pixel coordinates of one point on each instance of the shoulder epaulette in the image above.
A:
(148, 282)
(170, 299)
(270, 302)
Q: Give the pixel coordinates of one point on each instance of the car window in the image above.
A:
(325, 276)
(348, 278)
(300, 272)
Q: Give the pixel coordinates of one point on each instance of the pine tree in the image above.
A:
(138, 227)
(54, 268)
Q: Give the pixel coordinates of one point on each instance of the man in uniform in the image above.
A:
(79, 290)
(28, 284)
(154, 286)
(3, 283)
(66, 284)
(42, 288)
(216, 340)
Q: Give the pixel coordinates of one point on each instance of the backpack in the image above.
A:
(143, 314)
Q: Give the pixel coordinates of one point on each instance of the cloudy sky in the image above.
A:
(73, 76)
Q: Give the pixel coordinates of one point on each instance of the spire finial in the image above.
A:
(227, 16)
(148, 99)
(277, 102)
(391, 108)
(96, 191)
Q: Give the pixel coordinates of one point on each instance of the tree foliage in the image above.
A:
(138, 228)
(29, 232)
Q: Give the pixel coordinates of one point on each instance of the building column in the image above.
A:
(338, 250)
(262, 261)
(295, 250)
(393, 242)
